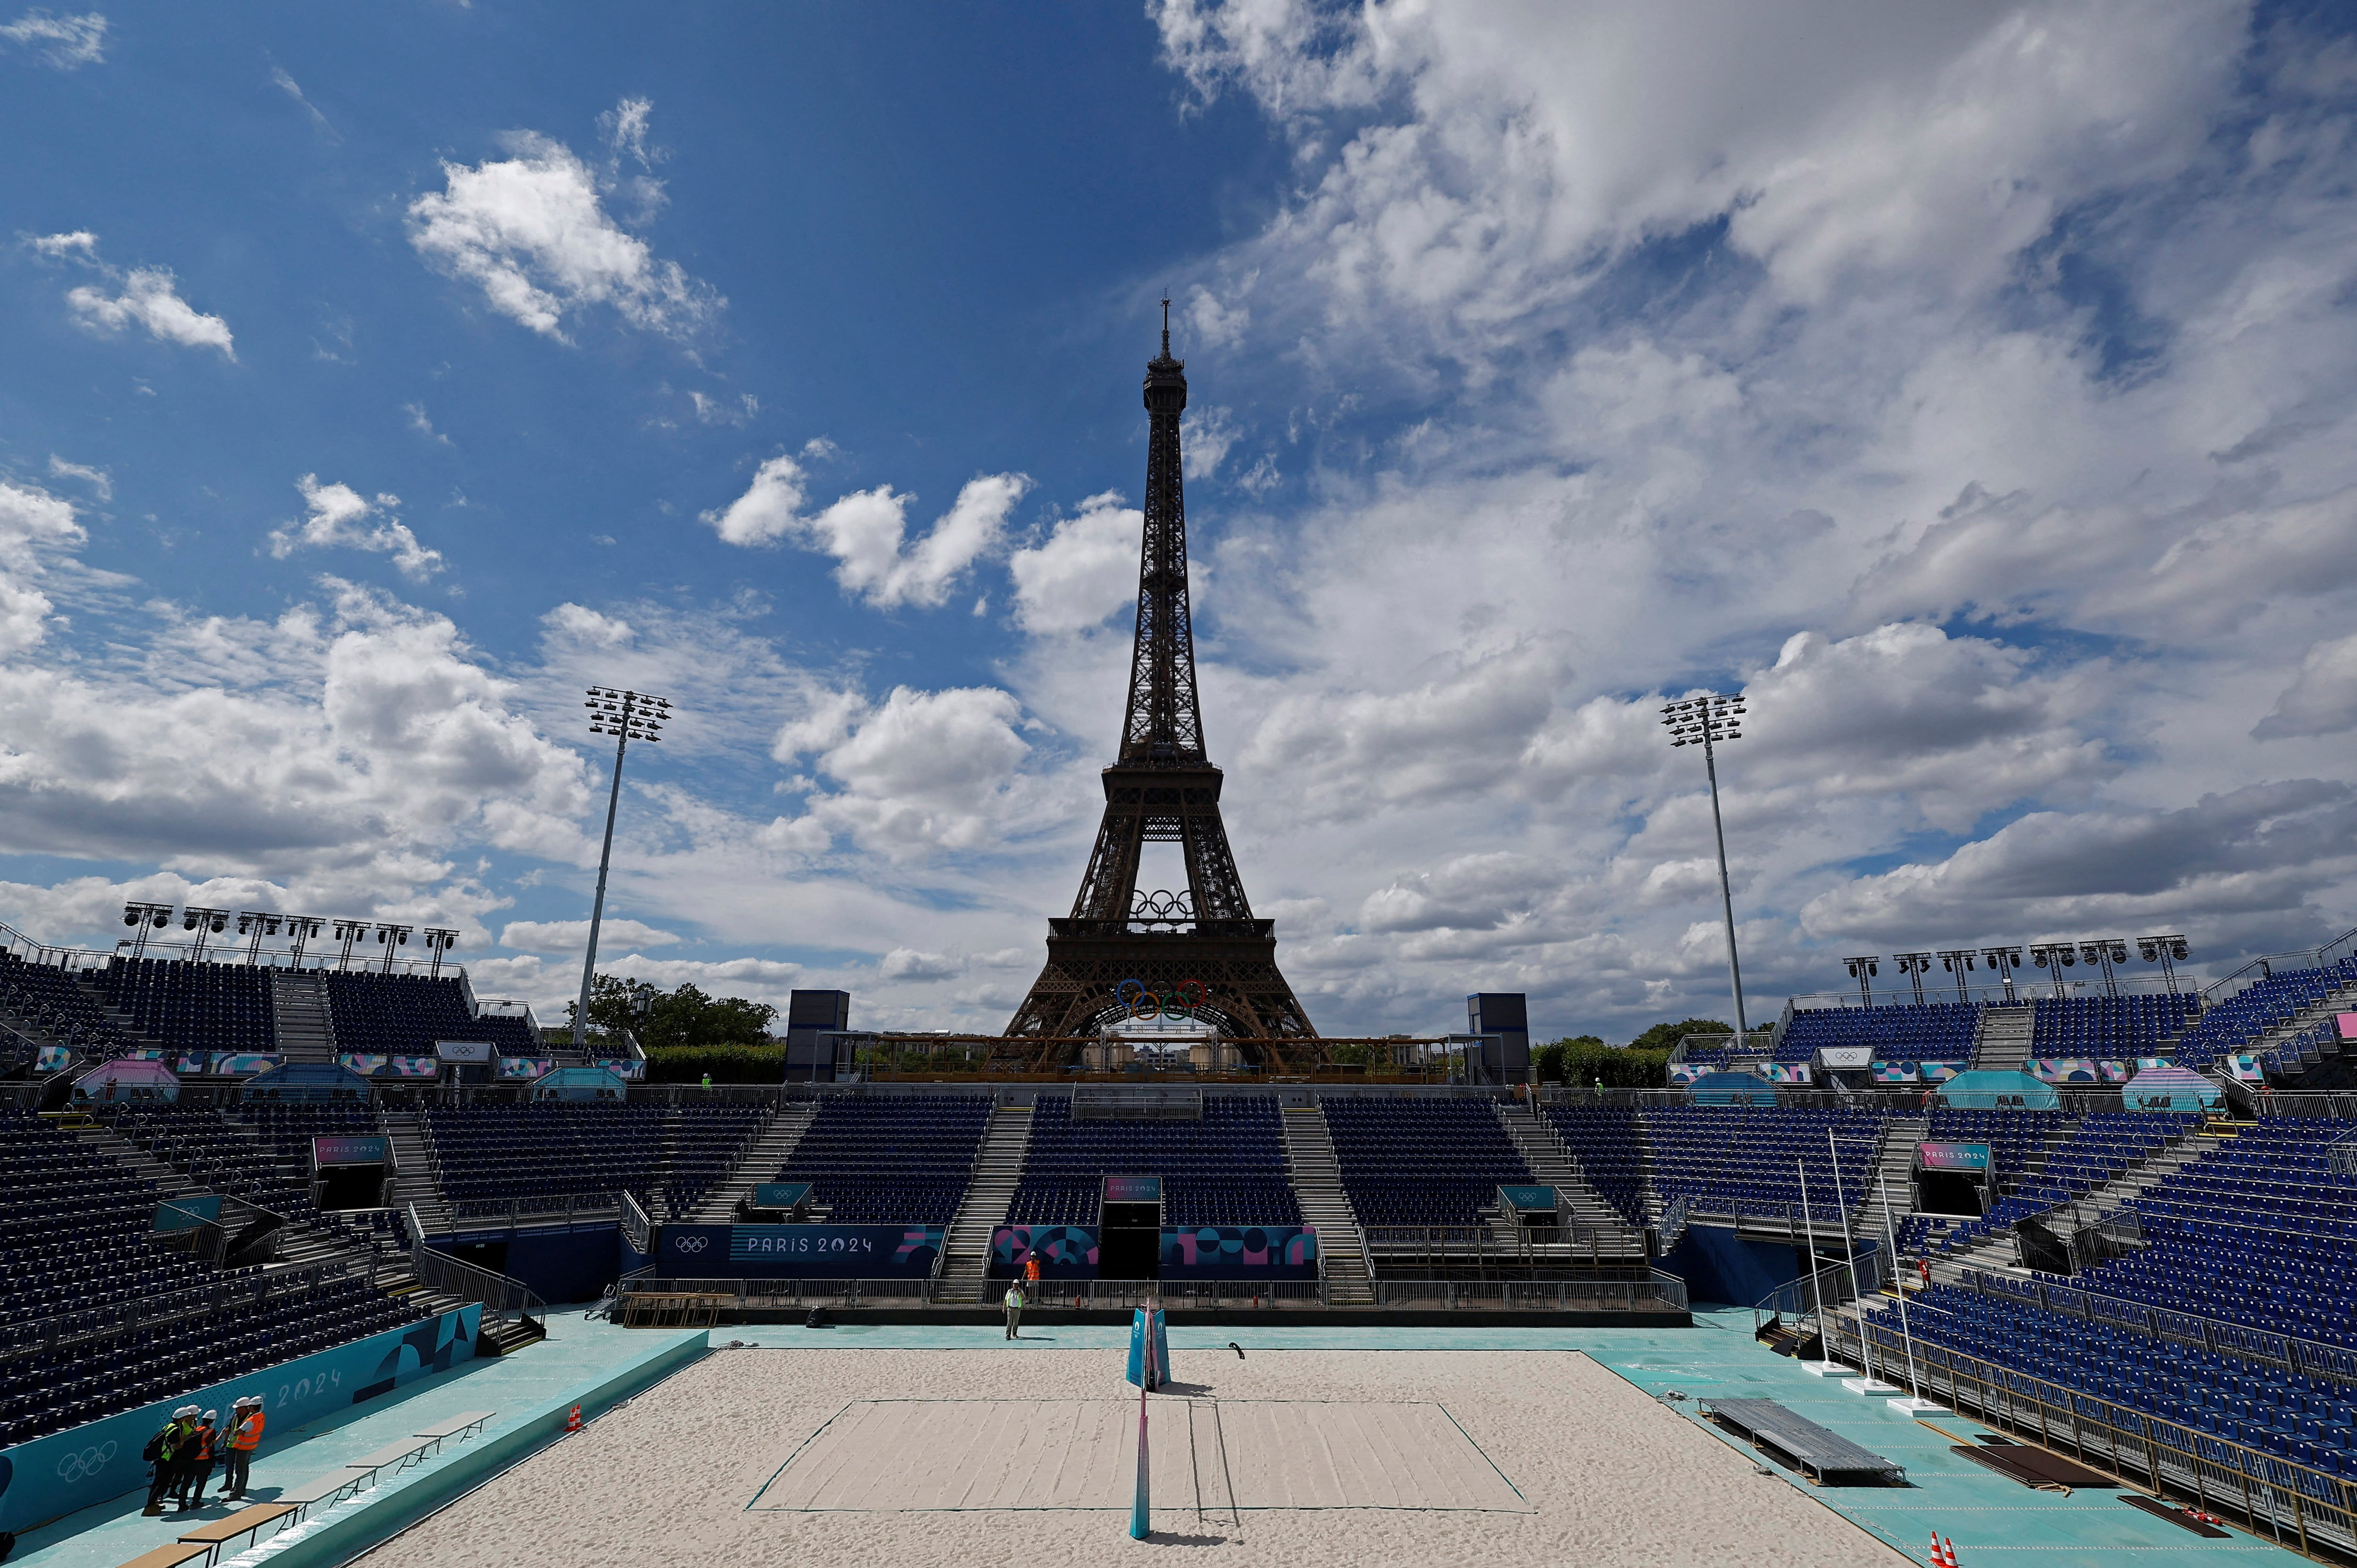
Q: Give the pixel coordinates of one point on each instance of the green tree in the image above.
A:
(1665, 1037)
(673, 1019)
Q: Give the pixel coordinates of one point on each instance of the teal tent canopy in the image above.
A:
(1997, 1090)
(579, 1083)
(2170, 1089)
(1731, 1089)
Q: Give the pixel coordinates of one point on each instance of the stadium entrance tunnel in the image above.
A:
(1948, 1192)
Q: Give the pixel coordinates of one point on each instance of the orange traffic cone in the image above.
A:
(1948, 1553)
(1938, 1559)
(573, 1421)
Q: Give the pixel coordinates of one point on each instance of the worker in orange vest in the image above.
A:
(1031, 1276)
(244, 1437)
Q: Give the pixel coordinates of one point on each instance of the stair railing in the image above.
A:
(504, 1299)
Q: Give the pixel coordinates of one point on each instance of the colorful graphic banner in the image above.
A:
(54, 1476)
(1787, 1072)
(525, 1068)
(347, 1149)
(364, 1063)
(1894, 1072)
(1684, 1073)
(190, 1063)
(2245, 1069)
(2347, 1024)
(411, 1067)
(1940, 1072)
(1240, 1252)
(1965, 1159)
(1132, 1189)
(2065, 1069)
(1065, 1251)
(53, 1058)
(243, 1064)
(631, 1070)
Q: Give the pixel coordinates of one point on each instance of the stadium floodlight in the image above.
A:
(203, 923)
(2103, 952)
(2164, 951)
(393, 937)
(2005, 960)
(348, 932)
(2054, 958)
(1863, 968)
(439, 940)
(1958, 962)
(1707, 721)
(253, 925)
(142, 918)
(1915, 966)
(301, 929)
(627, 716)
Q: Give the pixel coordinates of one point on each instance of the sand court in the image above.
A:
(1210, 1455)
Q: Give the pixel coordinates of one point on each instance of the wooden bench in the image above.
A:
(170, 1556)
(244, 1522)
(329, 1488)
(462, 1426)
(394, 1456)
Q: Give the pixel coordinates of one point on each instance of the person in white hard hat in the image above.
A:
(244, 1437)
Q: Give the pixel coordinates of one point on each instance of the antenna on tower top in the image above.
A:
(1165, 326)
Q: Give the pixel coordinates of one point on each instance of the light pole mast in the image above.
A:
(627, 716)
(1706, 721)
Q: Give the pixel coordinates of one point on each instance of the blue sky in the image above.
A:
(1968, 383)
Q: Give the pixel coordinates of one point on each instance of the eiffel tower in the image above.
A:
(1163, 790)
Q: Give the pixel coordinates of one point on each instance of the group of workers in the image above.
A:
(192, 1442)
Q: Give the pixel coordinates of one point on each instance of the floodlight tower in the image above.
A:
(394, 939)
(1958, 962)
(204, 923)
(142, 919)
(2105, 951)
(2161, 951)
(2054, 958)
(2005, 960)
(627, 716)
(1706, 721)
(1863, 968)
(253, 925)
(439, 940)
(1915, 966)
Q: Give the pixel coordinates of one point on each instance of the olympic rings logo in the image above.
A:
(86, 1462)
(1179, 1003)
(691, 1244)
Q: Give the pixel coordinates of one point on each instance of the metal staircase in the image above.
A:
(300, 1016)
(418, 1175)
(1894, 1171)
(1553, 1164)
(1316, 1178)
(997, 1172)
(2003, 1043)
(2003, 1252)
(767, 1155)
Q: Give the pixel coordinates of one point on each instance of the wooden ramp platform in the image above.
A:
(1822, 1455)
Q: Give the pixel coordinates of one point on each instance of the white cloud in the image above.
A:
(422, 425)
(711, 410)
(581, 624)
(922, 771)
(572, 935)
(1216, 324)
(34, 524)
(1211, 432)
(909, 964)
(341, 518)
(289, 86)
(64, 42)
(531, 230)
(2321, 699)
(1086, 569)
(143, 296)
(97, 479)
(866, 531)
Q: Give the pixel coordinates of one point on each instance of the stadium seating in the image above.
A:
(2117, 1028)
(1421, 1162)
(1227, 1168)
(551, 1154)
(2232, 1025)
(54, 1001)
(192, 1007)
(1936, 1032)
(1604, 1138)
(2260, 1406)
(215, 1153)
(891, 1159)
(2014, 1137)
(2098, 1150)
(404, 1015)
(1723, 1158)
(77, 1244)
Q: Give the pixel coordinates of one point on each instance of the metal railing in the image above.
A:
(504, 1299)
(1487, 1250)
(568, 1209)
(2303, 1508)
(2307, 1357)
(2264, 968)
(1661, 1292)
(250, 1292)
(637, 1229)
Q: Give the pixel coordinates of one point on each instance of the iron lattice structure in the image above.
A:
(1163, 790)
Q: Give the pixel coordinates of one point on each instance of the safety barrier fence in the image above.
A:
(1441, 1248)
(2216, 1336)
(562, 1209)
(1661, 1292)
(2302, 1507)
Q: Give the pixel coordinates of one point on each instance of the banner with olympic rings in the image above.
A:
(1180, 1002)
